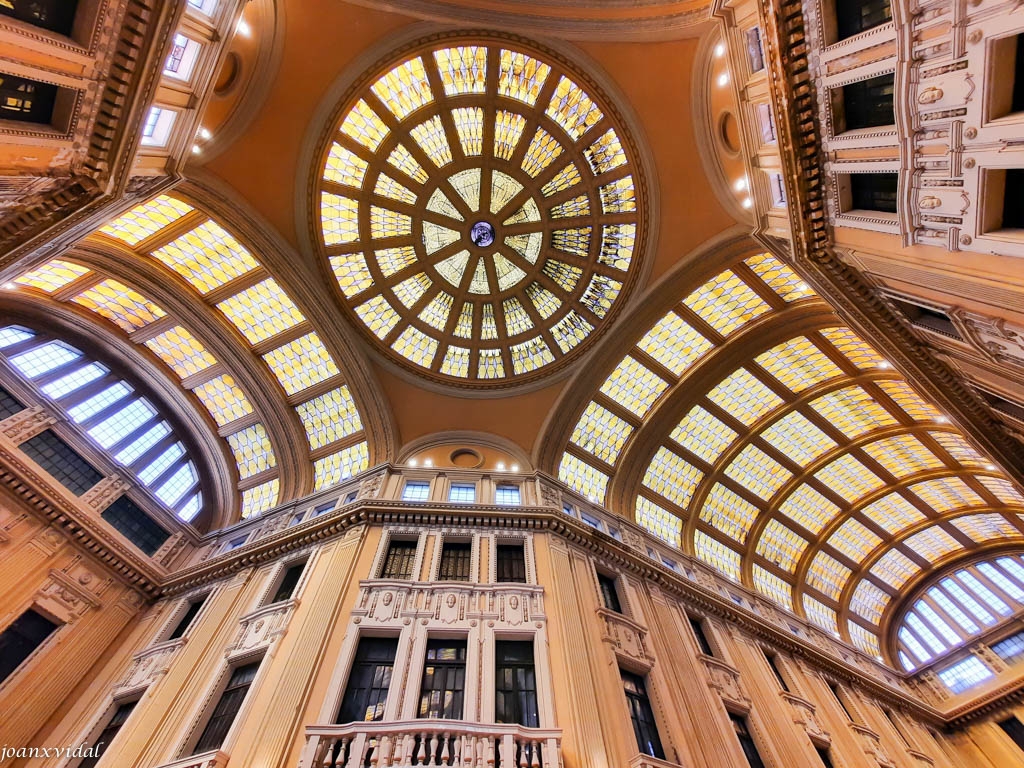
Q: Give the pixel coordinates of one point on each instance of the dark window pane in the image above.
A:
(839, 698)
(772, 663)
(1013, 728)
(62, 461)
(290, 579)
(399, 560)
(874, 191)
(1017, 104)
(739, 725)
(609, 594)
(54, 15)
(702, 639)
(642, 716)
(108, 733)
(868, 103)
(1013, 199)
(511, 563)
(369, 680)
(135, 525)
(856, 16)
(444, 680)
(224, 713)
(455, 561)
(9, 405)
(21, 638)
(826, 758)
(25, 100)
(515, 694)
(186, 618)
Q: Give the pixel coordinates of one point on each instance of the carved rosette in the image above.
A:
(725, 679)
(26, 424)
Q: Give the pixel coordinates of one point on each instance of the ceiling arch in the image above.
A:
(752, 429)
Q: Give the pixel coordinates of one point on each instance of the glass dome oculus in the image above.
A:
(478, 209)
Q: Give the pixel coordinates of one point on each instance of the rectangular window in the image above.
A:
(187, 618)
(702, 639)
(182, 58)
(236, 543)
(1011, 649)
(9, 404)
(511, 563)
(873, 192)
(755, 55)
(462, 493)
(296, 519)
(369, 680)
(322, 509)
(928, 318)
(286, 587)
(135, 525)
(507, 495)
(102, 742)
(856, 16)
(350, 497)
(399, 560)
(455, 561)
(62, 461)
(864, 104)
(767, 122)
(838, 695)
(21, 638)
(1005, 76)
(609, 593)
(739, 725)
(444, 680)
(515, 681)
(416, 491)
(774, 666)
(1014, 728)
(826, 758)
(965, 674)
(157, 129)
(641, 715)
(590, 520)
(226, 710)
(778, 190)
(26, 101)
(55, 15)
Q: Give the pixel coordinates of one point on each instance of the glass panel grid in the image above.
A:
(582, 477)
(146, 220)
(798, 364)
(52, 276)
(672, 477)
(658, 521)
(120, 304)
(261, 311)
(726, 303)
(965, 674)
(744, 397)
(182, 351)
(703, 435)
(601, 433)
(716, 554)
(773, 586)
(756, 471)
(223, 399)
(329, 417)
(206, 257)
(252, 450)
(301, 363)
(340, 466)
(674, 343)
(634, 386)
(260, 498)
(780, 545)
(729, 513)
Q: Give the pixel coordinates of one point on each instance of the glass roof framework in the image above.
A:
(119, 420)
(812, 472)
(479, 207)
(226, 275)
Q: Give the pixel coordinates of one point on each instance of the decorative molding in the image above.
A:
(27, 423)
(725, 679)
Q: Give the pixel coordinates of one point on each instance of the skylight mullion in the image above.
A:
(123, 423)
(50, 357)
(127, 440)
(153, 452)
(1013, 603)
(999, 575)
(954, 615)
(983, 593)
(158, 471)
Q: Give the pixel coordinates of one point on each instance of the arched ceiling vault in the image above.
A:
(753, 430)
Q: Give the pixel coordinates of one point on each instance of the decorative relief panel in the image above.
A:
(626, 637)
(26, 424)
(261, 628)
(448, 604)
(147, 667)
(725, 679)
(996, 338)
(805, 715)
(872, 745)
(68, 595)
(102, 495)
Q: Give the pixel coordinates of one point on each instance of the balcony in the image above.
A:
(431, 743)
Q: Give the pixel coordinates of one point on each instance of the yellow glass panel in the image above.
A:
(543, 150)
(453, 269)
(352, 273)
(535, 353)
(404, 89)
(582, 477)
(796, 437)
(206, 257)
(605, 154)
(601, 433)
(946, 493)
(516, 319)
(464, 325)
(571, 208)
(433, 141)
(672, 477)
(467, 184)
(798, 364)
(378, 315)
(416, 346)
(340, 466)
(772, 586)
(340, 219)
(411, 290)
(456, 362)
(1002, 489)
(982, 528)
(808, 508)
(674, 344)
(181, 351)
(821, 615)
(437, 311)
(575, 241)
(260, 499)
(907, 399)
(392, 260)
(469, 125)
(618, 196)
(120, 304)
(387, 223)
(894, 568)
(617, 246)
(503, 189)
(902, 455)
(402, 159)
(893, 513)
(508, 274)
(388, 187)
(866, 641)
(758, 472)
(252, 450)
(52, 275)
(780, 545)
(146, 220)
(852, 411)
(488, 326)
(779, 277)
(223, 399)
(330, 417)
(545, 302)
(744, 397)
(659, 521)
(261, 311)
(570, 331)
(855, 349)
(600, 294)
(365, 126)
(716, 554)
(703, 435)
(726, 303)
(729, 513)
(828, 575)
(568, 177)
(932, 543)
(508, 129)
(345, 167)
(573, 109)
(634, 386)
(868, 602)
(957, 447)
(848, 478)
(854, 540)
(521, 77)
(463, 70)
(529, 212)
(301, 363)
(439, 203)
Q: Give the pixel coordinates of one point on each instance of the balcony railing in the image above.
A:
(436, 743)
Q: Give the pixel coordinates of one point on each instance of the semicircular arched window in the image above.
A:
(958, 606)
(109, 410)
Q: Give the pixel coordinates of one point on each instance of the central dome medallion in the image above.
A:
(479, 211)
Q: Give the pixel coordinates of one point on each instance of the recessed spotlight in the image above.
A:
(885, 364)
(803, 287)
(428, 462)
(741, 184)
(515, 467)
(9, 286)
(196, 149)
(501, 466)
(243, 28)
(723, 79)
(204, 133)
(747, 203)
(413, 463)
(943, 420)
(720, 50)
(990, 467)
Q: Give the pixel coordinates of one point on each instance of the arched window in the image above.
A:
(110, 411)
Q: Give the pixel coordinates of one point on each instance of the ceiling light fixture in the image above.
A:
(720, 50)
(501, 466)
(723, 79)
(413, 462)
(747, 203)
(243, 28)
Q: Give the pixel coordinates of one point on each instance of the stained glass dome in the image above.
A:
(480, 209)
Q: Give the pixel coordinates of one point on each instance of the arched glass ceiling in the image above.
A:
(478, 209)
(959, 605)
(219, 270)
(794, 460)
(110, 411)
